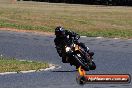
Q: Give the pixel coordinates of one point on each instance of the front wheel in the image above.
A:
(81, 62)
(92, 66)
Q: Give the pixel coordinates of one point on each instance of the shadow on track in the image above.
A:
(65, 71)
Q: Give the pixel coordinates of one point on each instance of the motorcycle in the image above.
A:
(77, 56)
(72, 51)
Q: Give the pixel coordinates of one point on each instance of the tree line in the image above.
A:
(99, 2)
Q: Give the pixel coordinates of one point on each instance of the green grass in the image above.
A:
(14, 65)
(89, 20)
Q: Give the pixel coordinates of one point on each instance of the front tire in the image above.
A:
(93, 66)
(80, 62)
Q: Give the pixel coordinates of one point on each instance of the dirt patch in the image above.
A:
(29, 31)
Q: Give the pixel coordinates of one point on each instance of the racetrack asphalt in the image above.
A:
(111, 56)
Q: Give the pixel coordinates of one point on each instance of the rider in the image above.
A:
(62, 38)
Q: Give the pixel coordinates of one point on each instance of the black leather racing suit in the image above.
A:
(62, 40)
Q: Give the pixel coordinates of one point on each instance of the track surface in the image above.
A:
(111, 56)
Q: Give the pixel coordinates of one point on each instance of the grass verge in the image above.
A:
(14, 65)
(88, 20)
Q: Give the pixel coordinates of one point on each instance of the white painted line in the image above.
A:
(99, 37)
(116, 38)
(57, 67)
(51, 68)
(6, 73)
(83, 36)
(28, 71)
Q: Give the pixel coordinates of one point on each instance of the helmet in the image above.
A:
(59, 31)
